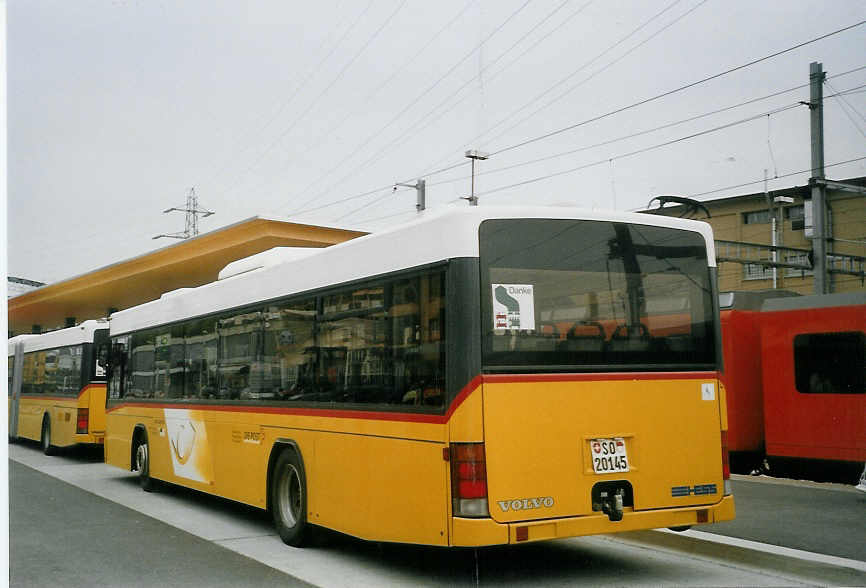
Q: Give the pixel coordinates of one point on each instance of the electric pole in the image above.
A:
(192, 211)
(819, 205)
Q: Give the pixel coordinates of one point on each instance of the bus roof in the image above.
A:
(76, 335)
(435, 236)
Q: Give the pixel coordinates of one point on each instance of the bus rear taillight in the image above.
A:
(468, 480)
(726, 464)
(82, 421)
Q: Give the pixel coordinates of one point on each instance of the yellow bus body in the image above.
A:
(63, 412)
(385, 476)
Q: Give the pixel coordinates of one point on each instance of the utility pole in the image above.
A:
(819, 205)
(421, 190)
(192, 211)
(773, 232)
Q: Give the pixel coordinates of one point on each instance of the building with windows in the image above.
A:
(743, 230)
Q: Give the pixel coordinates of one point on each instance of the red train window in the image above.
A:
(830, 363)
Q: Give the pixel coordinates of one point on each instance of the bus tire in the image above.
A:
(289, 499)
(141, 452)
(45, 438)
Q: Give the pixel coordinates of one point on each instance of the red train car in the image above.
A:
(741, 346)
(813, 350)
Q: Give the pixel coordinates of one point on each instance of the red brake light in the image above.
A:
(82, 421)
(468, 479)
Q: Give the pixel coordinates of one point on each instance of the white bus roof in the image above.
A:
(435, 236)
(76, 335)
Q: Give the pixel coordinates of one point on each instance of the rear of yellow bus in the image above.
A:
(598, 408)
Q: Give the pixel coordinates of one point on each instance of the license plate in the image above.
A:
(608, 455)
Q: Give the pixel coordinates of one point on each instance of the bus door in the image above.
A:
(15, 392)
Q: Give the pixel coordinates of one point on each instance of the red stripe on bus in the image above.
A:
(618, 376)
(435, 419)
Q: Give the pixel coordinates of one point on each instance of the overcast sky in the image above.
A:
(117, 108)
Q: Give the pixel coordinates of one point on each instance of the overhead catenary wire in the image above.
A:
(717, 190)
(624, 137)
(843, 103)
(600, 70)
(650, 99)
(636, 152)
(674, 91)
(419, 125)
(588, 147)
(315, 102)
(535, 99)
(761, 181)
(418, 98)
(378, 89)
(218, 170)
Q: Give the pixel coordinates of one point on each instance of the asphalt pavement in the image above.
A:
(61, 535)
(75, 521)
(820, 518)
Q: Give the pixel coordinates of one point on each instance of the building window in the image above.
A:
(756, 217)
(756, 271)
(791, 272)
(830, 363)
(793, 213)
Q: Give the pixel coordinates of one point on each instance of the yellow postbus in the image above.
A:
(479, 376)
(56, 386)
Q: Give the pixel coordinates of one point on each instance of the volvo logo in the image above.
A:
(525, 503)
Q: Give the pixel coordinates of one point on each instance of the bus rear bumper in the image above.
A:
(476, 532)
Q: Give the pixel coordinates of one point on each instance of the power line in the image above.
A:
(732, 187)
(637, 134)
(411, 104)
(315, 101)
(600, 70)
(843, 103)
(310, 74)
(535, 100)
(418, 126)
(674, 91)
(636, 152)
(603, 143)
(379, 87)
(761, 181)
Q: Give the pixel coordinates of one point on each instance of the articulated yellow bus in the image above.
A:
(479, 376)
(57, 387)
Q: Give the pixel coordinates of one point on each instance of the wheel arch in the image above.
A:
(139, 431)
(279, 446)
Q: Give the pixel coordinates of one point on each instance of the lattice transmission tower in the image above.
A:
(192, 211)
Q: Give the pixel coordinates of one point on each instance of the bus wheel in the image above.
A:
(45, 439)
(142, 464)
(289, 499)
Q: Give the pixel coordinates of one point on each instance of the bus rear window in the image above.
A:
(592, 295)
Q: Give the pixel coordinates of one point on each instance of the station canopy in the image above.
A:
(188, 263)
